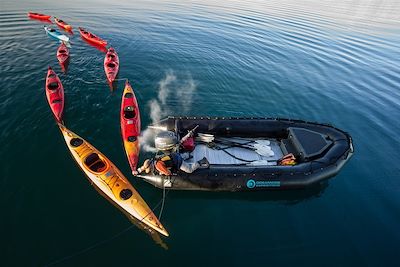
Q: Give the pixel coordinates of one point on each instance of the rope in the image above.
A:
(90, 247)
(109, 239)
(163, 201)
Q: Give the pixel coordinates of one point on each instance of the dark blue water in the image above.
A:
(335, 62)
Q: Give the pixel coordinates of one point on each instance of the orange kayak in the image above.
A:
(105, 176)
(63, 24)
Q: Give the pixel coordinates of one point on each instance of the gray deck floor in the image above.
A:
(215, 156)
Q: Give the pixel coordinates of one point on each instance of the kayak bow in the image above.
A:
(109, 180)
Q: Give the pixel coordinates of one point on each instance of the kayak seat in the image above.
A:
(129, 112)
(53, 86)
(52, 75)
(128, 95)
(111, 65)
(62, 51)
(56, 101)
(111, 56)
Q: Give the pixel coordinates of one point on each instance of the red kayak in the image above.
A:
(63, 24)
(62, 53)
(111, 64)
(130, 125)
(55, 94)
(38, 16)
(91, 37)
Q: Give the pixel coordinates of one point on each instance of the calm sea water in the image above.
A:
(329, 61)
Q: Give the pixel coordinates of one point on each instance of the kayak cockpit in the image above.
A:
(53, 86)
(76, 142)
(129, 112)
(111, 65)
(128, 95)
(95, 163)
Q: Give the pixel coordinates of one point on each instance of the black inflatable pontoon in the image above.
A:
(243, 153)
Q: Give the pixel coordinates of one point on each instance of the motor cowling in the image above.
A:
(165, 140)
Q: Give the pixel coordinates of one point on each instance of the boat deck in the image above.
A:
(238, 151)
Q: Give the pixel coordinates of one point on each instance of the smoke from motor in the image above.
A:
(180, 92)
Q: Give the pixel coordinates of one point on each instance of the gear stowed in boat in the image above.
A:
(255, 153)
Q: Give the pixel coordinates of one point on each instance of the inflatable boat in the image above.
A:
(247, 154)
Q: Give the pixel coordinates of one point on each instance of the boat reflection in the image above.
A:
(112, 85)
(98, 47)
(287, 197)
(64, 66)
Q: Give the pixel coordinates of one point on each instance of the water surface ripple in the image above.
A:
(329, 61)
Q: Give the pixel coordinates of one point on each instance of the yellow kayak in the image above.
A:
(109, 180)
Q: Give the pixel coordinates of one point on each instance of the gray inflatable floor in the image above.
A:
(225, 154)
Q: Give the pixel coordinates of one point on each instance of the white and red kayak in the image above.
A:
(55, 94)
(130, 125)
(111, 64)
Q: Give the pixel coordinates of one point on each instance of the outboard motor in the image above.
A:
(165, 141)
